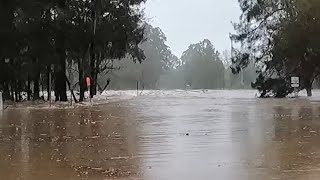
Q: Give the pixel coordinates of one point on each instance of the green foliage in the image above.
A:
(280, 37)
(203, 67)
(36, 34)
(158, 59)
(200, 67)
(270, 87)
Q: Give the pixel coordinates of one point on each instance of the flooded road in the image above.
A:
(165, 135)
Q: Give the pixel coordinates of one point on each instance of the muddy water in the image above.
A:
(165, 135)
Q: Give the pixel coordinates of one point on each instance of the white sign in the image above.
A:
(295, 82)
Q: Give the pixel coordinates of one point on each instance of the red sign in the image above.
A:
(88, 81)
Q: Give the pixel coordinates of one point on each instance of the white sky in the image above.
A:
(190, 21)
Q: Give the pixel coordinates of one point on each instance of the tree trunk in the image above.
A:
(28, 88)
(63, 90)
(42, 90)
(60, 79)
(71, 90)
(6, 93)
(56, 88)
(16, 91)
(2, 74)
(61, 87)
(12, 78)
(14, 84)
(94, 77)
(81, 80)
(93, 87)
(309, 91)
(36, 87)
(19, 84)
(308, 85)
(48, 82)
(12, 92)
(60, 83)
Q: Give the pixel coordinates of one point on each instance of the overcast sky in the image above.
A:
(190, 21)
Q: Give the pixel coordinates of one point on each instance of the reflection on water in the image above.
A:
(165, 135)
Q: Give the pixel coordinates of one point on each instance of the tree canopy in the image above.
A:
(158, 59)
(204, 69)
(37, 36)
(280, 37)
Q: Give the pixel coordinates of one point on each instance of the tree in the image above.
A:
(37, 34)
(106, 43)
(158, 60)
(158, 57)
(280, 37)
(203, 67)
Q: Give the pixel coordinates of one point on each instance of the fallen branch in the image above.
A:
(105, 87)
(71, 90)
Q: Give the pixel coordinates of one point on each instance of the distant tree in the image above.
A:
(226, 59)
(203, 67)
(158, 57)
(158, 60)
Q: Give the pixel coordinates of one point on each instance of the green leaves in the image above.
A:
(202, 66)
(280, 36)
(54, 31)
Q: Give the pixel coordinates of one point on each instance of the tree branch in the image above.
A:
(266, 18)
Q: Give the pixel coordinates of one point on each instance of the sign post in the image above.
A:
(88, 82)
(295, 83)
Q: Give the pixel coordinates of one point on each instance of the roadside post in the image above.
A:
(295, 83)
(88, 82)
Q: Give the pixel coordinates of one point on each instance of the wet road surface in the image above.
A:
(165, 135)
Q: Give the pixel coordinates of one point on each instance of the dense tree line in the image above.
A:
(282, 38)
(201, 66)
(61, 42)
(43, 37)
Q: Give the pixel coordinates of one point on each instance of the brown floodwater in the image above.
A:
(165, 135)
